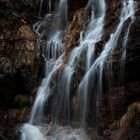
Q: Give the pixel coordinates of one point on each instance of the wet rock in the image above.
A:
(21, 65)
(113, 9)
(76, 5)
(74, 29)
(10, 122)
(128, 123)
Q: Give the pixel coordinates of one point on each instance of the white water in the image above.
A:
(93, 35)
(55, 46)
(30, 132)
(52, 132)
(95, 73)
(54, 49)
(43, 92)
(90, 84)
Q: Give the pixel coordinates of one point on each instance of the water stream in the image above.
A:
(95, 73)
(55, 90)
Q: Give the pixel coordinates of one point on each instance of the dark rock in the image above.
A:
(20, 64)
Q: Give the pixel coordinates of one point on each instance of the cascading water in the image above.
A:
(30, 131)
(60, 98)
(54, 49)
(95, 73)
(55, 46)
(130, 9)
(92, 36)
(35, 129)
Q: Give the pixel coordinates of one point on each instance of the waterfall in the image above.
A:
(92, 36)
(93, 79)
(54, 49)
(55, 89)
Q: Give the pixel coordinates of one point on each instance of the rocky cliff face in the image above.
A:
(21, 68)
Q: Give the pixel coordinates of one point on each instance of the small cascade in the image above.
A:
(52, 50)
(30, 132)
(44, 91)
(92, 82)
(54, 44)
(55, 48)
(93, 35)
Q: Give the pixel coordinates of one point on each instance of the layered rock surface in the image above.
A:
(21, 68)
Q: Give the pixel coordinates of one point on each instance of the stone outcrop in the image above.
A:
(21, 69)
(74, 29)
(20, 63)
